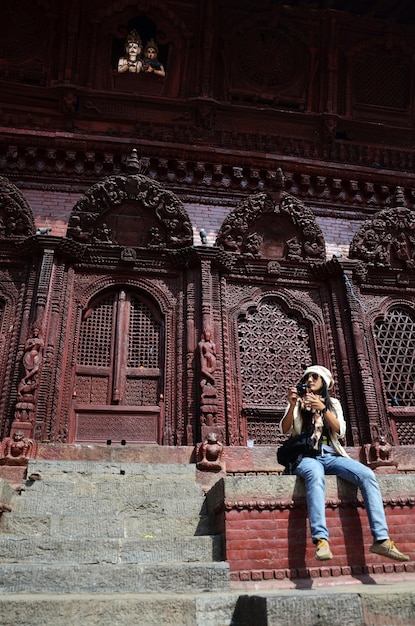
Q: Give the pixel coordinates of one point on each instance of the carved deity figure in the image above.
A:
(33, 354)
(151, 64)
(294, 249)
(17, 448)
(210, 454)
(32, 359)
(207, 358)
(133, 60)
(252, 245)
(378, 453)
(208, 365)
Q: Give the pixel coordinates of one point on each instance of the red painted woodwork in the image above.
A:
(274, 131)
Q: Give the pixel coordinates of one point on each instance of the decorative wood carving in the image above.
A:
(17, 449)
(388, 239)
(132, 211)
(280, 228)
(16, 217)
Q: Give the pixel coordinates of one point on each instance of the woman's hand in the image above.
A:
(292, 395)
(312, 401)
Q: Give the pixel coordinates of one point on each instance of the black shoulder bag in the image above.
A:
(290, 453)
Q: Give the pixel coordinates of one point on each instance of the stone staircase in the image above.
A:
(131, 543)
(120, 543)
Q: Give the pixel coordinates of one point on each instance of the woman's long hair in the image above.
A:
(307, 415)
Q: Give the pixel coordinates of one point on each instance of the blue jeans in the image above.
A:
(313, 471)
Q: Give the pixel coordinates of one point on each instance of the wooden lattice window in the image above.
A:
(395, 340)
(144, 337)
(119, 352)
(382, 80)
(95, 338)
(274, 348)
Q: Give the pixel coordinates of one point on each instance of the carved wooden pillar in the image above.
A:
(371, 416)
(191, 350)
(211, 371)
(36, 391)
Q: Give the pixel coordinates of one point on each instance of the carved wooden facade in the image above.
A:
(124, 327)
(125, 330)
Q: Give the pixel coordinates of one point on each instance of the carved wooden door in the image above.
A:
(118, 372)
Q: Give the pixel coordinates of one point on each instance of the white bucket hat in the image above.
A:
(321, 371)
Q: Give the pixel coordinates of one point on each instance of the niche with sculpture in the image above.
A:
(139, 57)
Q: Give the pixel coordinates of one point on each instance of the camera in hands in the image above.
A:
(302, 389)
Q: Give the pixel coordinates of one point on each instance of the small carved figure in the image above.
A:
(294, 249)
(33, 354)
(102, 233)
(132, 62)
(156, 240)
(128, 255)
(210, 453)
(17, 448)
(70, 103)
(207, 357)
(252, 245)
(205, 117)
(151, 64)
(378, 453)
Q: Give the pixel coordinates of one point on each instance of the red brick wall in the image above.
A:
(53, 208)
(276, 543)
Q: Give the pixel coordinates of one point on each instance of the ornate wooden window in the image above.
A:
(119, 370)
(274, 349)
(382, 80)
(119, 344)
(382, 86)
(395, 340)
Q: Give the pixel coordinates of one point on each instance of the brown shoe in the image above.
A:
(388, 548)
(323, 552)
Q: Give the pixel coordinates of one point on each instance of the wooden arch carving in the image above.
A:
(273, 226)
(132, 211)
(388, 239)
(16, 216)
(297, 302)
(157, 292)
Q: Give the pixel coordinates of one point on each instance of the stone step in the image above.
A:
(112, 578)
(107, 550)
(349, 605)
(121, 486)
(99, 609)
(115, 504)
(154, 523)
(119, 496)
(148, 471)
